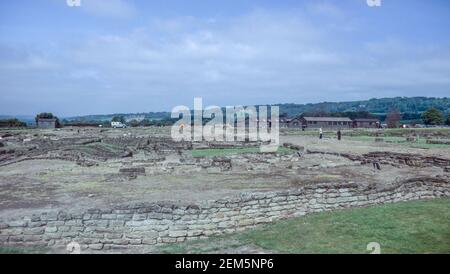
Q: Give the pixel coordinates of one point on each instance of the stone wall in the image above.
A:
(156, 223)
(392, 158)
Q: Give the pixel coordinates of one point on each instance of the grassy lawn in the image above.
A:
(230, 151)
(17, 250)
(402, 132)
(438, 133)
(421, 143)
(408, 227)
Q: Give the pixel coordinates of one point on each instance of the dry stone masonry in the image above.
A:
(116, 158)
(136, 225)
(392, 158)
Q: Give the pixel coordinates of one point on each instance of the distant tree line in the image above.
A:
(393, 111)
(377, 106)
(394, 118)
(349, 114)
(408, 106)
(12, 123)
(148, 123)
(121, 119)
(431, 117)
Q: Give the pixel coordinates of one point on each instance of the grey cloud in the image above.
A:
(258, 58)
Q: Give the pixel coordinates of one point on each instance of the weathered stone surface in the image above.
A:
(177, 233)
(96, 246)
(149, 224)
(20, 223)
(34, 231)
(133, 170)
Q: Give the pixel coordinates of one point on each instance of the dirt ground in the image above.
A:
(76, 169)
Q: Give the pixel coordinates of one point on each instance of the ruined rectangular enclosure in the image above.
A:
(126, 189)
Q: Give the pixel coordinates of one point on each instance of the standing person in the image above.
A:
(339, 134)
(320, 134)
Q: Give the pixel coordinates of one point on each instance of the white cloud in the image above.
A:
(109, 8)
(325, 9)
(257, 58)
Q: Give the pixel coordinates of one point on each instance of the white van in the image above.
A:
(117, 125)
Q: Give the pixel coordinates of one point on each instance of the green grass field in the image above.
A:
(402, 132)
(230, 151)
(420, 143)
(18, 250)
(387, 132)
(390, 135)
(408, 227)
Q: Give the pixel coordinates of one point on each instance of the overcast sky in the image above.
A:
(111, 56)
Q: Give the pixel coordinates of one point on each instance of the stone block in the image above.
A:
(96, 246)
(34, 231)
(19, 223)
(109, 216)
(177, 233)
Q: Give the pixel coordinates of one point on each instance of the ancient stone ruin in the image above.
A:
(156, 223)
(117, 204)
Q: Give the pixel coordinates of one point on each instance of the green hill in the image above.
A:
(411, 105)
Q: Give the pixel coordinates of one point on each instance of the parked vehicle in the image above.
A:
(118, 125)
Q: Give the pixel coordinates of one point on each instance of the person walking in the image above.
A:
(320, 134)
(339, 135)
